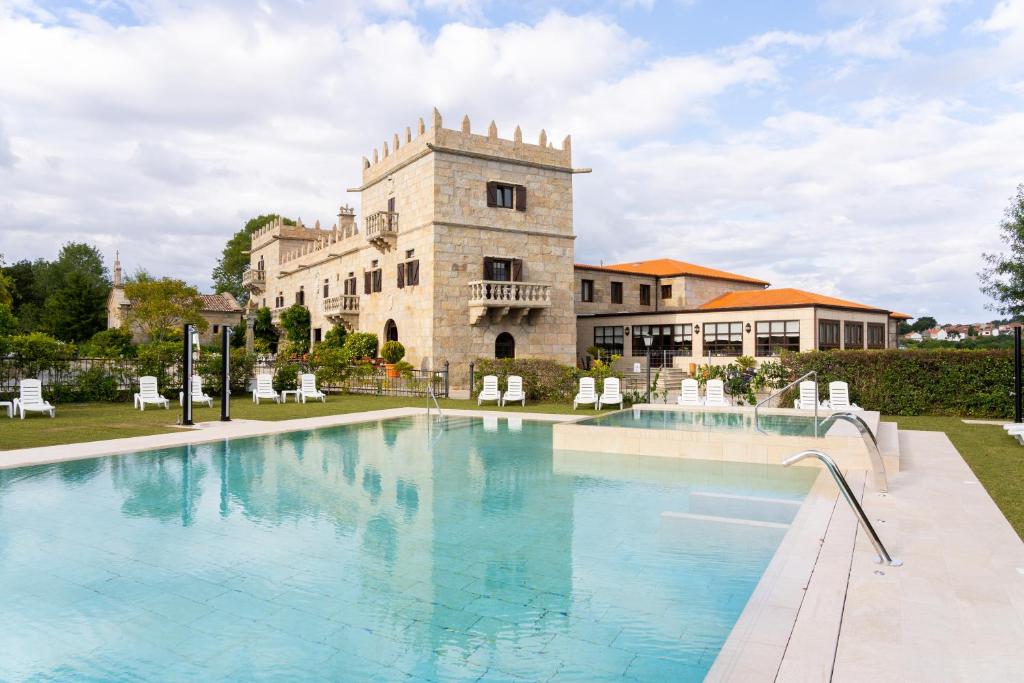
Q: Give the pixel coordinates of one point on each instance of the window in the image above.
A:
(775, 336)
(645, 295)
(350, 284)
(390, 331)
(667, 341)
(505, 346)
(609, 339)
(666, 291)
(317, 335)
(876, 335)
(828, 334)
(505, 196)
(723, 339)
(300, 296)
(587, 290)
(409, 253)
(409, 273)
(853, 335)
(216, 329)
(503, 269)
(372, 280)
(616, 292)
(327, 288)
(279, 300)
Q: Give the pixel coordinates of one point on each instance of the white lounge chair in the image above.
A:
(197, 393)
(30, 399)
(514, 391)
(689, 394)
(839, 397)
(490, 392)
(265, 389)
(149, 393)
(808, 396)
(715, 394)
(610, 394)
(586, 395)
(307, 388)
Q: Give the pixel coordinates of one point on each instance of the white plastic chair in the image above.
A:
(689, 394)
(30, 398)
(808, 395)
(715, 394)
(265, 389)
(587, 395)
(149, 393)
(610, 394)
(514, 391)
(490, 392)
(197, 393)
(307, 388)
(839, 397)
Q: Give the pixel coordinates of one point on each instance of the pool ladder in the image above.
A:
(870, 440)
(844, 487)
(757, 406)
(433, 398)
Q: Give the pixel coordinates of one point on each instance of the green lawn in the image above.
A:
(96, 421)
(996, 459)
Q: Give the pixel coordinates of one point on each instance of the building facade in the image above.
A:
(465, 250)
(697, 315)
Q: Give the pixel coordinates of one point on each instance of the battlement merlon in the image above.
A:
(278, 229)
(489, 147)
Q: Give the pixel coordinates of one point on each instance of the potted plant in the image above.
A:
(392, 352)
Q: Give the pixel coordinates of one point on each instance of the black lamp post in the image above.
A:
(647, 343)
(225, 374)
(186, 383)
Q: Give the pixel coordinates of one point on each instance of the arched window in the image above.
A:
(390, 331)
(505, 346)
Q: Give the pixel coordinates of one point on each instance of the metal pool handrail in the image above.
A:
(430, 393)
(870, 440)
(883, 555)
(812, 373)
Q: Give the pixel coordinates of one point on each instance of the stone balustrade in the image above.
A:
(253, 279)
(381, 228)
(500, 299)
(343, 304)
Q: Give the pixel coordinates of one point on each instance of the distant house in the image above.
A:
(936, 333)
(219, 310)
(913, 336)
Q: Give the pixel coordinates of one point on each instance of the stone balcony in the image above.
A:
(382, 229)
(497, 299)
(254, 280)
(341, 307)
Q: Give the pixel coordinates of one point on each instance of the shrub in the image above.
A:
(392, 352)
(405, 369)
(112, 343)
(335, 337)
(543, 380)
(361, 344)
(98, 383)
(330, 364)
(286, 376)
(37, 353)
(295, 320)
(921, 382)
(163, 361)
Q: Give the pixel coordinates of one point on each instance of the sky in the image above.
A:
(865, 150)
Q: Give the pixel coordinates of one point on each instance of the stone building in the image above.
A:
(465, 250)
(219, 310)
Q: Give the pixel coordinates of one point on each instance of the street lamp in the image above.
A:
(647, 343)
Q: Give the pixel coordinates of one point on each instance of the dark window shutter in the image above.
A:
(412, 272)
(488, 268)
(401, 275)
(520, 198)
(517, 270)
(378, 278)
(367, 282)
(492, 193)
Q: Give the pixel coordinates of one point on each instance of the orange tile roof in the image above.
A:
(667, 267)
(784, 296)
(900, 316)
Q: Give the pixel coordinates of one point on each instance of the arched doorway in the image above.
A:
(505, 346)
(390, 331)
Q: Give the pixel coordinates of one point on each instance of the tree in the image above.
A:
(76, 286)
(296, 321)
(159, 307)
(8, 323)
(227, 274)
(925, 322)
(263, 331)
(1003, 279)
(6, 286)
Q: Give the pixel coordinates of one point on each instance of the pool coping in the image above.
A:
(206, 432)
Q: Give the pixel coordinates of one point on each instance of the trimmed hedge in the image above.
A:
(916, 382)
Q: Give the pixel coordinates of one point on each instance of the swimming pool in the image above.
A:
(704, 420)
(389, 550)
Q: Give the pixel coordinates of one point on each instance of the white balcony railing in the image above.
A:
(513, 294)
(254, 279)
(381, 228)
(343, 304)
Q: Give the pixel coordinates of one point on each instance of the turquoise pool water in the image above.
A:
(703, 420)
(386, 551)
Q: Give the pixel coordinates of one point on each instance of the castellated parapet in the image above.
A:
(439, 139)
